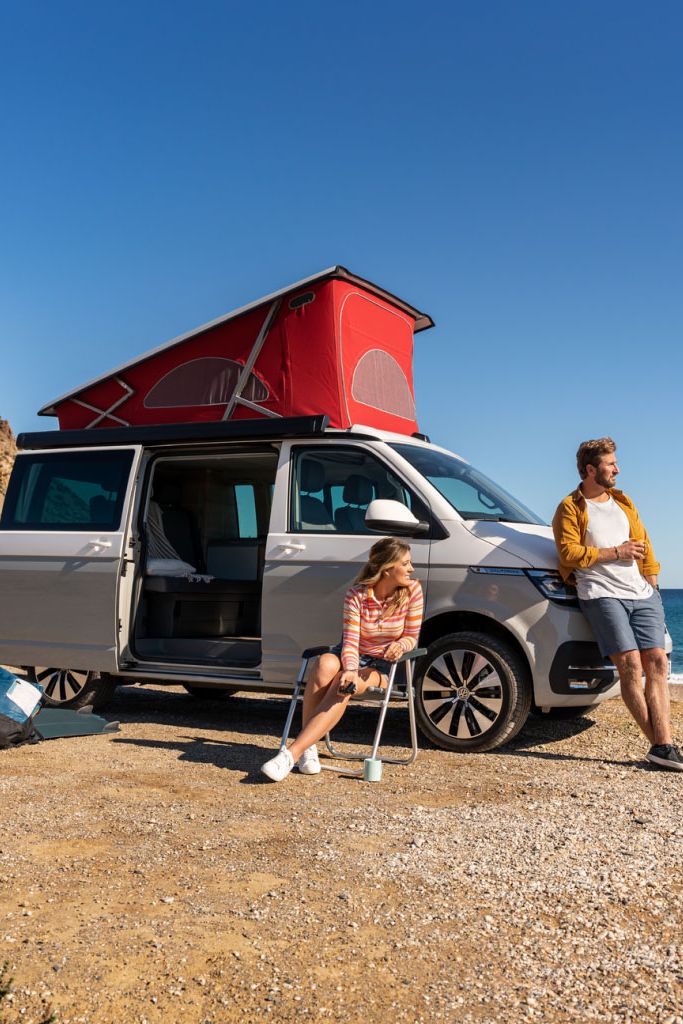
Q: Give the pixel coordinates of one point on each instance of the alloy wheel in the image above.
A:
(462, 694)
(61, 684)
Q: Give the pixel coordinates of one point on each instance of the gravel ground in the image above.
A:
(152, 876)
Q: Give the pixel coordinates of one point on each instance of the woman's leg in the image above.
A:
(326, 668)
(329, 711)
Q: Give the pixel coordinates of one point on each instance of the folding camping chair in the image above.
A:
(373, 695)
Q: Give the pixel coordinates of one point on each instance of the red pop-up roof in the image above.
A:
(333, 344)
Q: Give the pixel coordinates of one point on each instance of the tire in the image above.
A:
(209, 692)
(73, 688)
(472, 692)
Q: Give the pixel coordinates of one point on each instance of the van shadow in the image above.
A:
(248, 715)
(244, 716)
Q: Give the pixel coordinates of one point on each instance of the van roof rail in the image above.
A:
(172, 433)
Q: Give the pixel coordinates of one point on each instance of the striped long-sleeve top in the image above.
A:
(368, 629)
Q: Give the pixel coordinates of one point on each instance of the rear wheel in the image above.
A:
(472, 692)
(72, 687)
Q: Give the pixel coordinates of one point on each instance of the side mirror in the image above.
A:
(392, 517)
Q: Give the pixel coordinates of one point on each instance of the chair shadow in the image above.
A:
(242, 715)
(234, 757)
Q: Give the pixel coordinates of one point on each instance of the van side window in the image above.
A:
(74, 491)
(245, 500)
(333, 487)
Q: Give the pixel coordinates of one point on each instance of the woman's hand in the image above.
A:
(348, 681)
(393, 651)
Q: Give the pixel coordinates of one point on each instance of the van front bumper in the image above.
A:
(578, 667)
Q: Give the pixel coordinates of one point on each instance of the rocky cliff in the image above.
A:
(8, 449)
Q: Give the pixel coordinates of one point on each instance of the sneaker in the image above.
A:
(279, 767)
(665, 755)
(308, 763)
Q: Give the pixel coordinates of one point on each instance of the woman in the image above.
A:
(382, 619)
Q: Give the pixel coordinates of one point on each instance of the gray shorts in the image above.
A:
(625, 625)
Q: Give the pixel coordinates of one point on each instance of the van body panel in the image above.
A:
(305, 579)
(59, 592)
(59, 610)
(526, 541)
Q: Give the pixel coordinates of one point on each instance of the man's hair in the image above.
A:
(591, 452)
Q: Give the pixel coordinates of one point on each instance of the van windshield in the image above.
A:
(470, 493)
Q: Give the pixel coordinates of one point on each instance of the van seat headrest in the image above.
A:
(357, 490)
(312, 475)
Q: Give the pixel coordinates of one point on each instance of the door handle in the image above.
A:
(292, 546)
(98, 542)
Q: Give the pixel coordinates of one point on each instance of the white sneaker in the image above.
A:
(279, 767)
(308, 763)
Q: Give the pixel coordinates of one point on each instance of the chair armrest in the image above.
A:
(313, 652)
(418, 652)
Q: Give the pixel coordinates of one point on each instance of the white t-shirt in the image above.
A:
(608, 527)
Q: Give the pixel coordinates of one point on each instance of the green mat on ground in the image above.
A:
(52, 723)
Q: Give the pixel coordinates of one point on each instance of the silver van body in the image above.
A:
(271, 521)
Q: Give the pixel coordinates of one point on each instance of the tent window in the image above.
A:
(208, 381)
(379, 381)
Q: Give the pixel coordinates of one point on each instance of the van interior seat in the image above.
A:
(313, 514)
(179, 524)
(234, 560)
(358, 493)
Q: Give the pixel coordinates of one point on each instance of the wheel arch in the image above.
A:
(457, 621)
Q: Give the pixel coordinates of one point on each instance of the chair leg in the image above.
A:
(410, 694)
(380, 725)
(293, 702)
(383, 713)
(340, 755)
(378, 731)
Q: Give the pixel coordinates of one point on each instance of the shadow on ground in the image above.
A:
(261, 716)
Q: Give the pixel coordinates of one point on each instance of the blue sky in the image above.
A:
(514, 169)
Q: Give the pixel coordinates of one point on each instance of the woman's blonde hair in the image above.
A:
(383, 555)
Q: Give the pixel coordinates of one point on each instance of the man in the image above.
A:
(604, 548)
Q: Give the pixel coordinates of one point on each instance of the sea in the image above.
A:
(673, 609)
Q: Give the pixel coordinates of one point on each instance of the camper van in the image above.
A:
(199, 514)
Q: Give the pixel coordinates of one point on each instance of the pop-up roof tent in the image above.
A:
(332, 343)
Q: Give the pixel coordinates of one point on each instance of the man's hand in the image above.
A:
(393, 651)
(631, 549)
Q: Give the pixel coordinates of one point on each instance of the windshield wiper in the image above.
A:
(486, 517)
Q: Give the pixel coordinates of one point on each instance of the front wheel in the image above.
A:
(472, 692)
(72, 687)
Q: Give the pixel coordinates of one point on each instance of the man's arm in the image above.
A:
(577, 555)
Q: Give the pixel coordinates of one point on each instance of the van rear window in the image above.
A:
(59, 491)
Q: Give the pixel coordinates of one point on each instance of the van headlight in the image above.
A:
(553, 587)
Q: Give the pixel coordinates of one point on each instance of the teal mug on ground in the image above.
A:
(372, 769)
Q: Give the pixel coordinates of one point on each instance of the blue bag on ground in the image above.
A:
(19, 701)
(24, 720)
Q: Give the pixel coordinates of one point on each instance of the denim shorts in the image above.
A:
(625, 625)
(381, 665)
